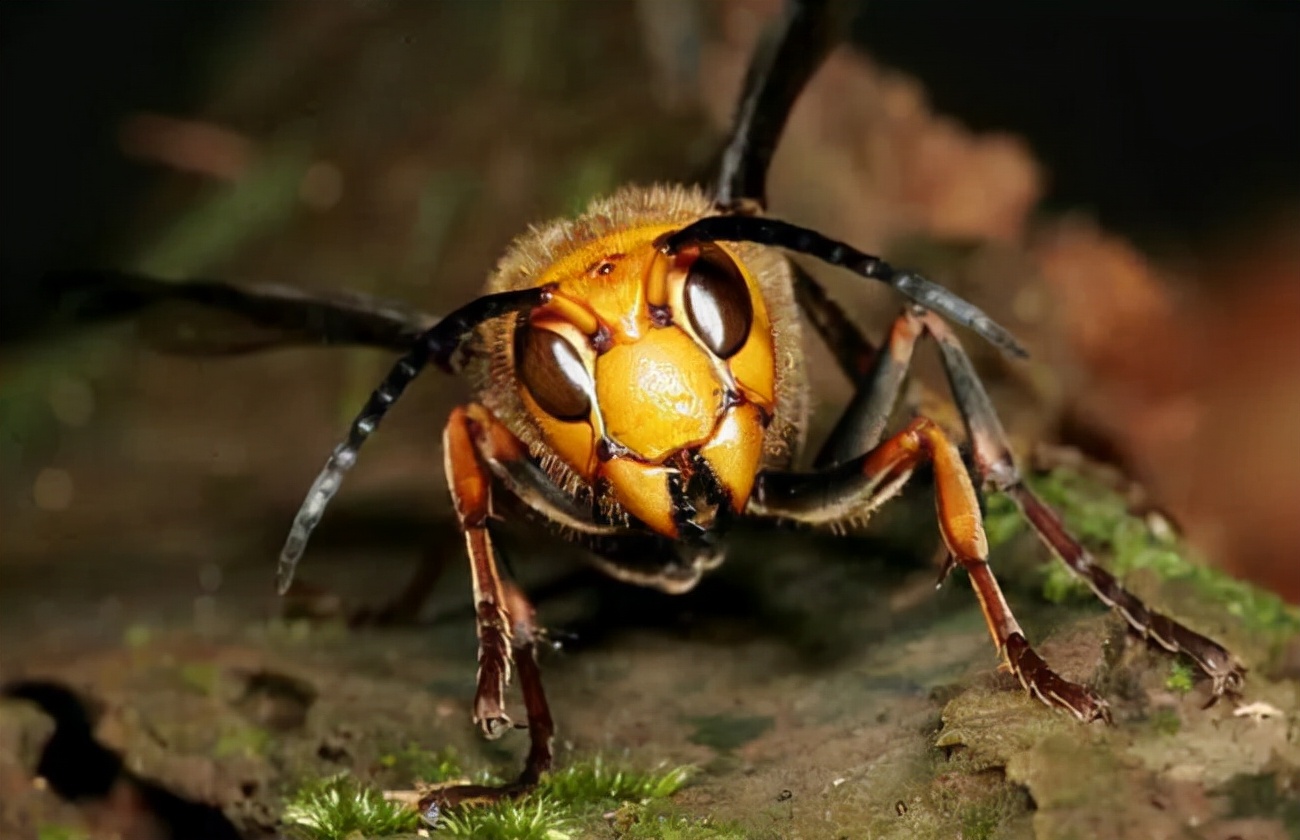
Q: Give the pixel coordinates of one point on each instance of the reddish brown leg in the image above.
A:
(541, 728)
(507, 633)
(470, 486)
(996, 467)
(852, 490)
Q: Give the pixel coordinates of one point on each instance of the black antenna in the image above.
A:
(784, 60)
(238, 319)
(438, 345)
(804, 241)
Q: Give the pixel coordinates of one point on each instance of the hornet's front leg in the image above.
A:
(483, 457)
(997, 468)
(849, 492)
(864, 422)
(507, 634)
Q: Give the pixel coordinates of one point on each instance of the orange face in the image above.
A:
(652, 374)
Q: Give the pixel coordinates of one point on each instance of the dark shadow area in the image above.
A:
(114, 800)
(1167, 120)
(69, 71)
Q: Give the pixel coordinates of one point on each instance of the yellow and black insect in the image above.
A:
(639, 385)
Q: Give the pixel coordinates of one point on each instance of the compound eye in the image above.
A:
(553, 373)
(718, 303)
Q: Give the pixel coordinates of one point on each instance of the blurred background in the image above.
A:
(1119, 183)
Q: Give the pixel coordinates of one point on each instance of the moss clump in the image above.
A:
(597, 783)
(725, 733)
(535, 817)
(202, 678)
(566, 800)
(1002, 520)
(1100, 519)
(979, 821)
(1263, 795)
(251, 741)
(339, 807)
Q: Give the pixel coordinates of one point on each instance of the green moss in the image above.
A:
(137, 636)
(986, 812)
(242, 740)
(1002, 520)
(954, 803)
(1101, 520)
(201, 677)
(1180, 677)
(566, 800)
(979, 821)
(338, 808)
(534, 817)
(984, 727)
(597, 783)
(1262, 795)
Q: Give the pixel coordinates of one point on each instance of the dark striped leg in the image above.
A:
(996, 467)
(541, 728)
(862, 424)
(850, 491)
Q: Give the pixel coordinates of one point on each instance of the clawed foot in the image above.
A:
(1044, 683)
(442, 798)
(1227, 675)
(541, 731)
